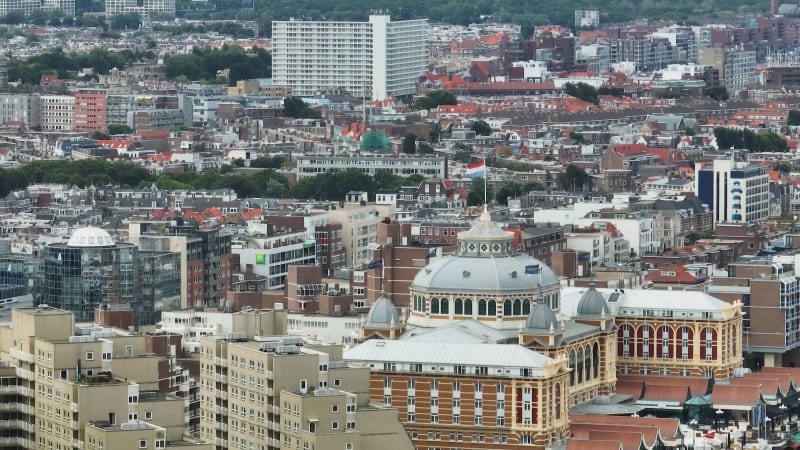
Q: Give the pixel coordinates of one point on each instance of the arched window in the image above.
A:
(596, 360)
(517, 307)
(557, 403)
(579, 366)
(434, 305)
(555, 301)
(481, 307)
(459, 306)
(587, 364)
(445, 306)
(684, 343)
(468, 307)
(572, 366)
(507, 308)
(526, 306)
(491, 308)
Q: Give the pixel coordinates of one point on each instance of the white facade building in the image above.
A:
(736, 191)
(379, 58)
(585, 18)
(272, 257)
(116, 7)
(57, 112)
(427, 166)
(23, 108)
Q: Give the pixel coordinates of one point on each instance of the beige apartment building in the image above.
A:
(72, 383)
(245, 382)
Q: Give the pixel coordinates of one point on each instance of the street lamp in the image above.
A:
(719, 414)
(692, 424)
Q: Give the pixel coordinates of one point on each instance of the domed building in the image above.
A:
(382, 321)
(91, 269)
(486, 280)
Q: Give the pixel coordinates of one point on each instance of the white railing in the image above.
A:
(20, 355)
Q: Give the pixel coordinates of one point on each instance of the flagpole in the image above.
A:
(485, 183)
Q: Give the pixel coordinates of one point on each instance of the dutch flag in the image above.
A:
(477, 169)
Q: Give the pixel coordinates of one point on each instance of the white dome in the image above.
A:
(90, 237)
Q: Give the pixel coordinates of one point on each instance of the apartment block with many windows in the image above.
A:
(245, 385)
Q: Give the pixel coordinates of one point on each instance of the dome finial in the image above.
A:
(552, 328)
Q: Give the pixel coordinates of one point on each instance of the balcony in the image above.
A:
(74, 407)
(220, 362)
(223, 395)
(20, 355)
(270, 376)
(221, 427)
(77, 444)
(221, 378)
(25, 374)
(14, 442)
(221, 442)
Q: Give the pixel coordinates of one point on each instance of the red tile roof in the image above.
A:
(633, 388)
(769, 386)
(699, 386)
(629, 440)
(744, 397)
(668, 428)
(666, 393)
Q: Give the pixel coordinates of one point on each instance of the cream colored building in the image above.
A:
(67, 378)
(242, 382)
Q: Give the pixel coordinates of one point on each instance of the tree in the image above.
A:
(297, 108)
(476, 195)
(765, 141)
(782, 167)
(718, 93)
(99, 136)
(435, 98)
(573, 178)
(410, 144)
(117, 128)
(583, 91)
(275, 162)
(424, 149)
(435, 133)
(794, 117)
(463, 156)
(481, 128)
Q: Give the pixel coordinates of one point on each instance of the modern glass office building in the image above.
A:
(89, 270)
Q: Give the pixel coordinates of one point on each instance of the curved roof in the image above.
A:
(541, 319)
(485, 230)
(382, 314)
(494, 275)
(592, 303)
(90, 237)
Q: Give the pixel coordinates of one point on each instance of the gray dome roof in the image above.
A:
(490, 275)
(382, 314)
(541, 319)
(592, 303)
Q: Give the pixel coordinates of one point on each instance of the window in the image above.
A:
(148, 415)
(106, 356)
(112, 418)
(90, 356)
(410, 417)
(142, 443)
(312, 427)
(335, 425)
(434, 418)
(334, 408)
